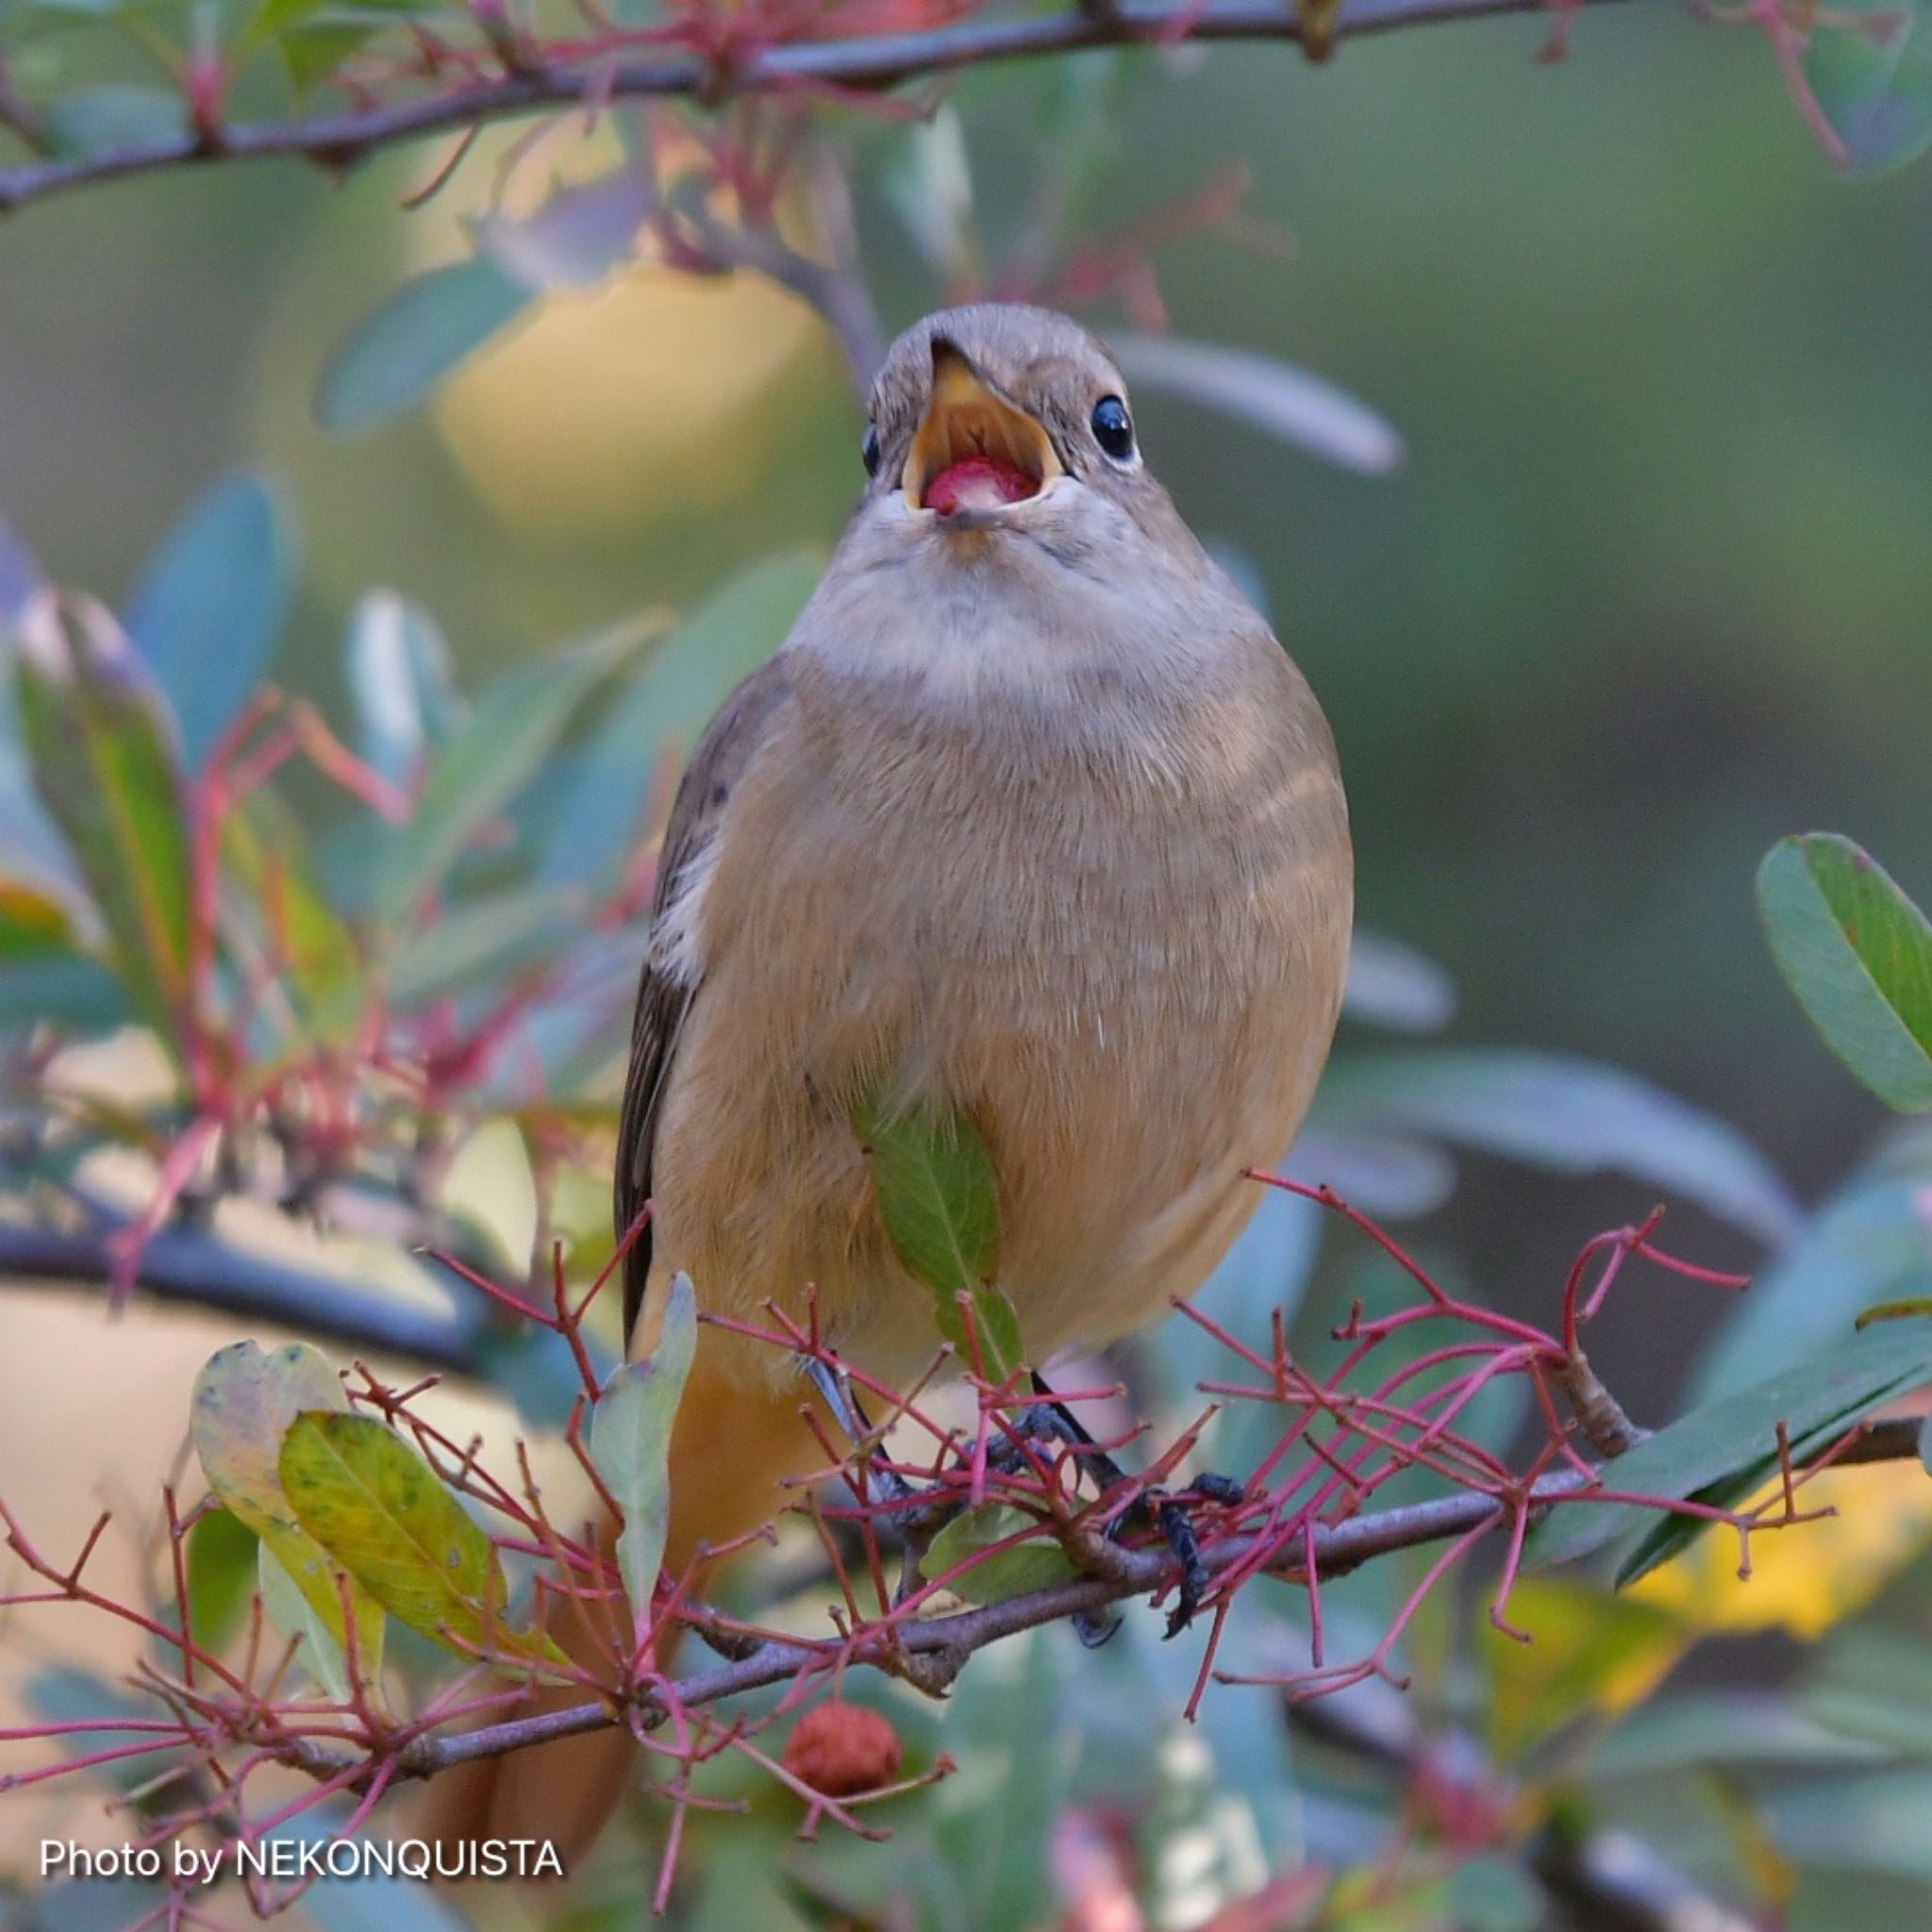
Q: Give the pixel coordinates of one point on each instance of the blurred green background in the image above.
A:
(1655, 587)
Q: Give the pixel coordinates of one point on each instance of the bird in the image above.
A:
(1030, 819)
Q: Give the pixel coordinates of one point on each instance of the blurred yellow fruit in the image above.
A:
(660, 392)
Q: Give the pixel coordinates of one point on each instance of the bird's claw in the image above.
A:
(1177, 1531)
(1049, 1421)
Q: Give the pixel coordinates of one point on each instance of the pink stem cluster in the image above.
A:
(1303, 1516)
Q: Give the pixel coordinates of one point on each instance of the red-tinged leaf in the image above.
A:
(104, 765)
(32, 926)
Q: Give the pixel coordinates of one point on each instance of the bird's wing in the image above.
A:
(730, 742)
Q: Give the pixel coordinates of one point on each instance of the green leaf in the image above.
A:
(1857, 954)
(210, 607)
(104, 767)
(630, 1443)
(1492, 1894)
(401, 677)
(1273, 396)
(1028, 1566)
(751, 1886)
(1394, 986)
(1897, 1311)
(315, 36)
(375, 1899)
(1589, 1650)
(482, 768)
(1870, 69)
(379, 1509)
(1870, 1243)
(1698, 1731)
(1873, 1689)
(1005, 1723)
(400, 353)
(1871, 1824)
(318, 1648)
(483, 941)
(221, 1575)
(67, 1694)
(243, 1404)
(35, 853)
(62, 989)
(265, 857)
(668, 704)
(92, 120)
(1569, 1115)
(579, 237)
(1389, 1177)
(1731, 1443)
(929, 184)
(938, 1199)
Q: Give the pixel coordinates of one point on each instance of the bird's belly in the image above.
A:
(1126, 1024)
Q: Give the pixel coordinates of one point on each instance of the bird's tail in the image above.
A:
(730, 1447)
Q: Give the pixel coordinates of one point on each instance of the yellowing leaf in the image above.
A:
(379, 1509)
(243, 1404)
(31, 924)
(1805, 1579)
(318, 1649)
(1588, 1651)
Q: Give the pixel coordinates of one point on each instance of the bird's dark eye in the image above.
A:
(1113, 428)
(869, 451)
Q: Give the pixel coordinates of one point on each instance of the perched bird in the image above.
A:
(1031, 818)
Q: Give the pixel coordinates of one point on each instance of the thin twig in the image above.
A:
(1336, 1548)
(871, 64)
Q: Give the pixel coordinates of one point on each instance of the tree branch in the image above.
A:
(871, 64)
(184, 1264)
(949, 1641)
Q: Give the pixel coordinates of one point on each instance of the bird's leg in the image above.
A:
(836, 1389)
(1047, 1421)
(1177, 1531)
(1051, 1420)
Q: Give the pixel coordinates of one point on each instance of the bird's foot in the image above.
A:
(1051, 1421)
(1048, 1421)
(1169, 1513)
(1173, 1516)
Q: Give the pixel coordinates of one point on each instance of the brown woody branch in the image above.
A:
(182, 1264)
(942, 1645)
(869, 65)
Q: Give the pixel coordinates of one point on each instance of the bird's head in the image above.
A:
(1000, 417)
(1010, 537)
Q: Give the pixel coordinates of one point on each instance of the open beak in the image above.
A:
(975, 450)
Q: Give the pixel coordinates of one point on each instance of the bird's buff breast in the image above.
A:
(1120, 952)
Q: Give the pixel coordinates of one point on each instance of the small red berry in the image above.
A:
(842, 1749)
